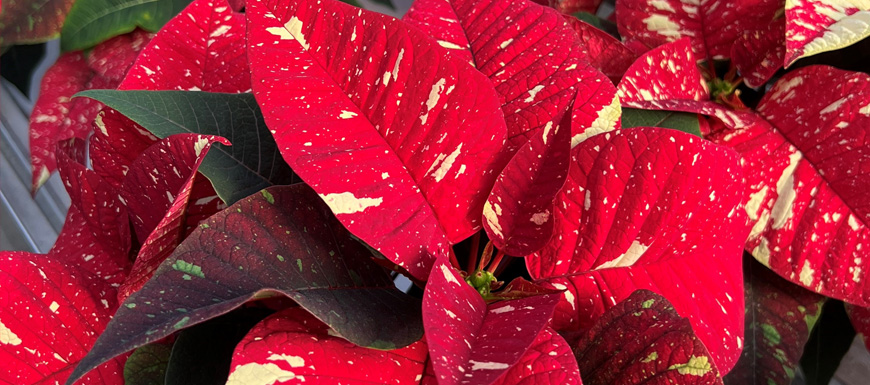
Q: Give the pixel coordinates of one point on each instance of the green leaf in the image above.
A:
(290, 244)
(682, 121)
(147, 365)
(91, 22)
(31, 22)
(251, 164)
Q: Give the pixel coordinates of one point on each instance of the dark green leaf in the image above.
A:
(779, 318)
(251, 164)
(283, 240)
(683, 121)
(202, 354)
(90, 22)
(386, 3)
(147, 365)
(829, 342)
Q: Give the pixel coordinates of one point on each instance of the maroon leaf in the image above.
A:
(518, 213)
(421, 164)
(759, 53)
(117, 141)
(549, 360)
(816, 26)
(642, 340)
(712, 25)
(470, 341)
(157, 190)
(602, 50)
(50, 315)
(668, 72)
(779, 318)
(282, 240)
(639, 208)
(516, 39)
(96, 234)
(804, 163)
(201, 49)
(295, 346)
(572, 6)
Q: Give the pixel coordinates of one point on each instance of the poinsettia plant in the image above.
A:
(570, 197)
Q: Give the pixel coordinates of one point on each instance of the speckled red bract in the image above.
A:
(400, 138)
(650, 208)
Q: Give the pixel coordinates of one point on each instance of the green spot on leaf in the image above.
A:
(186, 277)
(771, 334)
(299, 263)
(180, 324)
(130, 305)
(188, 268)
(280, 258)
(650, 358)
(204, 225)
(648, 303)
(697, 366)
(268, 196)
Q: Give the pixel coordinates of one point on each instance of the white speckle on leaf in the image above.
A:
(448, 45)
(503, 309)
(662, 5)
(448, 275)
(755, 200)
(604, 122)
(762, 252)
(853, 223)
(492, 218)
(220, 31)
(294, 361)
(347, 203)
(476, 365)
(201, 142)
(807, 272)
(833, 106)
(541, 218)
(547, 129)
(8, 337)
(260, 374)
(663, 26)
(346, 114)
(587, 202)
(446, 162)
(53, 307)
(782, 208)
(505, 43)
(282, 33)
(533, 92)
(634, 252)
